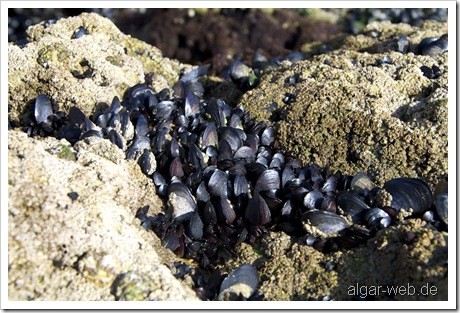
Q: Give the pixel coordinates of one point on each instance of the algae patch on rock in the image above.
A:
(355, 114)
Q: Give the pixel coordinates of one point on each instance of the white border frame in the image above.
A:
(280, 305)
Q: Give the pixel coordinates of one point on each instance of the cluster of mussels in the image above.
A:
(225, 181)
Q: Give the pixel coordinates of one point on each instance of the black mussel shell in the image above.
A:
(226, 213)
(158, 179)
(329, 204)
(164, 110)
(216, 112)
(231, 136)
(257, 211)
(242, 75)
(352, 205)
(195, 226)
(409, 193)
(43, 109)
(117, 139)
(209, 136)
(268, 136)
(80, 32)
(240, 186)
(140, 143)
(269, 179)
(192, 105)
(313, 200)
(272, 198)
(252, 141)
(139, 92)
(235, 121)
(374, 217)
(142, 127)
(330, 186)
(176, 169)
(218, 184)
(246, 153)
(287, 176)
(442, 207)
(147, 162)
(202, 194)
(327, 222)
(224, 151)
(181, 203)
(195, 156)
(240, 284)
(76, 116)
(209, 214)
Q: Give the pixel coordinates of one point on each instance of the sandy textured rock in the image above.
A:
(411, 252)
(355, 115)
(88, 71)
(91, 248)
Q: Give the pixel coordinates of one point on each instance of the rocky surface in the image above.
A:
(410, 253)
(85, 71)
(355, 114)
(89, 248)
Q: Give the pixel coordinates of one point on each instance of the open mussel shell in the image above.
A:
(327, 222)
(352, 205)
(240, 284)
(181, 203)
(409, 193)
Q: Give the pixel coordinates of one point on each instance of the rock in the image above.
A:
(85, 71)
(412, 252)
(88, 248)
(355, 114)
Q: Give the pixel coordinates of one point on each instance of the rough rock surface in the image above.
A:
(355, 115)
(85, 71)
(409, 253)
(90, 248)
